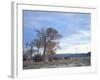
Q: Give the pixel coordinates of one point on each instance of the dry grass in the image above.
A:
(72, 62)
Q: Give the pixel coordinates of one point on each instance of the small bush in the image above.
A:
(24, 57)
(38, 58)
(67, 58)
(55, 58)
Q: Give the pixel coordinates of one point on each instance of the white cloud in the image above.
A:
(84, 48)
(76, 43)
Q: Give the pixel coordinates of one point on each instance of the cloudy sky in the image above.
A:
(74, 27)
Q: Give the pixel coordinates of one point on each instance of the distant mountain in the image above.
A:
(26, 52)
(89, 53)
(70, 55)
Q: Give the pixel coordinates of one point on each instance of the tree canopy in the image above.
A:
(46, 41)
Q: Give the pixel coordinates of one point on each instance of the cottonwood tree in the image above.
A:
(34, 47)
(48, 40)
(37, 44)
(31, 50)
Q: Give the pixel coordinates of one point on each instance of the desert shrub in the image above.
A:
(55, 58)
(67, 58)
(24, 57)
(37, 58)
(50, 59)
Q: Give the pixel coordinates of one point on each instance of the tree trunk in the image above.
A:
(38, 50)
(45, 57)
(31, 52)
(44, 46)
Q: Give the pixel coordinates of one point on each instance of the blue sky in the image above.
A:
(74, 27)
